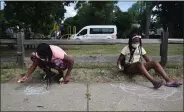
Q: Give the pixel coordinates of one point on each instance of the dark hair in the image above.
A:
(44, 51)
(133, 33)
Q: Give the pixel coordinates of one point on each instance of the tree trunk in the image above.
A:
(147, 25)
(164, 26)
(148, 11)
(170, 29)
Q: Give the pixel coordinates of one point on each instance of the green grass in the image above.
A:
(112, 50)
(102, 50)
(100, 72)
(85, 72)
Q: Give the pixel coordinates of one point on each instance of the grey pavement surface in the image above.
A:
(125, 96)
(96, 59)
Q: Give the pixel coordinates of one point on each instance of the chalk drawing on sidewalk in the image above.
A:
(36, 90)
(166, 93)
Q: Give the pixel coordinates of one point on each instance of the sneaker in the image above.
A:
(158, 84)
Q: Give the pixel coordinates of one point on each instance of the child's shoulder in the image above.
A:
(125, 49)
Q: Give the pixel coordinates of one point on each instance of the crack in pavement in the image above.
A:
(88, 96)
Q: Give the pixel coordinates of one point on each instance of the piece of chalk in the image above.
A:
(61, 79)
(19, 81)
(119, 66)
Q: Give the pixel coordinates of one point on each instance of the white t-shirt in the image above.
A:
(136, 56)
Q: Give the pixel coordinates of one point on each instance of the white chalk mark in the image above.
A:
(148, 93)
(35, 90)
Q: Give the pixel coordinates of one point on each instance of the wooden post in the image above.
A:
(20, 49)
(164, 48)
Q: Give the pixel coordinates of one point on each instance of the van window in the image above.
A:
(83, 32)
(101, 30)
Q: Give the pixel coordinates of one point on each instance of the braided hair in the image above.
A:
(133, 33)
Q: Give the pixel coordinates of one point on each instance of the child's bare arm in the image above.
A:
(70, 65)
(146, 58)
(120, 60)
(30, 71)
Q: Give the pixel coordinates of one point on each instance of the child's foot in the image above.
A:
(157, 84)
(173, 83)
(65, 81)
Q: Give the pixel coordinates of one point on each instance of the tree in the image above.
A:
(137, 12)
(183, 19)
(95, 12)
(39, 15)
(2, 28)
(170, 14)
(148, 12)
(100, 13)
(2, 15)
(123, 21)
(141, 12)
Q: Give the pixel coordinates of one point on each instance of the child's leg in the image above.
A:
(140, 68)
(158, 68)
(136, 68)
(61, 66)
(61, 74)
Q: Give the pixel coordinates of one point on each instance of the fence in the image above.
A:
(21, 42)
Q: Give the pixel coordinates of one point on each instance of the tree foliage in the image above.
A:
(100, 13)
(39, 15)
(171, 17)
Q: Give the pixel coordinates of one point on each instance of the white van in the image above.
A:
(96, 32)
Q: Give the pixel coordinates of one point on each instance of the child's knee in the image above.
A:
(154, 63)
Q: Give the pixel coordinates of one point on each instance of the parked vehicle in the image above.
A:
(96, 32)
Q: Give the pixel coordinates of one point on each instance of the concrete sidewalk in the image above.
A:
(124, 96)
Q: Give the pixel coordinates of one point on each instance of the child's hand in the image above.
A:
(66, 80)
(119, 66)
(22, 79)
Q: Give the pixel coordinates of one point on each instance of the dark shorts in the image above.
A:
(126, 66)
(57, 64)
